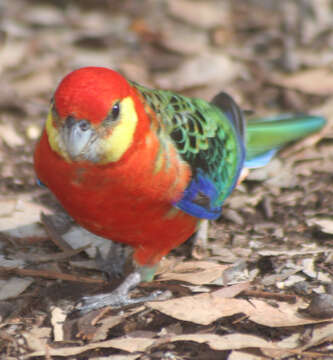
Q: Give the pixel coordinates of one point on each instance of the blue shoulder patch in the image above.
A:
(199, 198)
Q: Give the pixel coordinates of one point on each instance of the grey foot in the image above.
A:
(117, 298)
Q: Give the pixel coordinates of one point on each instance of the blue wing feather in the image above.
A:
(202, 188)
(206, 193)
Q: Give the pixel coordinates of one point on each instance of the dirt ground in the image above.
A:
(262, 287)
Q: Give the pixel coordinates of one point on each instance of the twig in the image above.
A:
(50, 275)
(270, 295)
(37, 259)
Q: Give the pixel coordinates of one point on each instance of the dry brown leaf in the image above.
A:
(22, 221)
(36, 83)
(37, 338)
(226, 342)
(9, 135)
(188, 42)
(205, 308)
(240, 355)
(200, 13)
(276, 173)
(7, 206)
(324, 224)
(290, 342)
(320, 334)
(13, 287)
(195, 72)
(119, 357)
(96, 327)
(44, 15)
(12, 53)
(128, 344)
(195, 272)
(200, 309)
(284, 315)
(314, 81)
(232, 291)
(77, 237)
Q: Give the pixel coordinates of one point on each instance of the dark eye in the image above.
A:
(115, 111)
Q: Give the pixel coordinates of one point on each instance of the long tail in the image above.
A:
(265, 136)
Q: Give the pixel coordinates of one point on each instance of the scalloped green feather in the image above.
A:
(204, 137)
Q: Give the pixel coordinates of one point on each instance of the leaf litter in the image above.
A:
(261, 287)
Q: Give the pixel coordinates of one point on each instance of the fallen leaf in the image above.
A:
(232, 291)
(200, 13)
(314, 81)
(77, 237)
(7, 207)
(205, 308)
(200, 70)
(320, 334)
(119, 357)
(289, 281)
(124, 343)
(13, 287)
(181, 40)
(324, 224)
(12, 53)
(46, 15)
(277, 173)
(195, 272)
(290, 342)
(23, 220)
(95, 325)
(11, 262)
(226, 342)
(240, 355)
(37, 338)
(9, 135)
(35, 83)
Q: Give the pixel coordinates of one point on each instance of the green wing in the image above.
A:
(207, 140)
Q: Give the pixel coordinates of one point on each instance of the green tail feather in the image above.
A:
(265, 134)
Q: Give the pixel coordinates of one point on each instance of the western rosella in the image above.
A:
(143, 167)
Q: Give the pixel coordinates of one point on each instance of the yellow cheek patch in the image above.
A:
(121, 137)
(52, 134)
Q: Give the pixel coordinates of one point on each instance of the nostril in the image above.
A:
(70, 121)
(84, 125)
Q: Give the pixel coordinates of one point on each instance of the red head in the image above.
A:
(89, 92)
(96, 116)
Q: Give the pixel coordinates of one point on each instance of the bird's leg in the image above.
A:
(201, 235)
(120, 296)
(199, 244)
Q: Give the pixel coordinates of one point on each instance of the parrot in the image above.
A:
(145, 167)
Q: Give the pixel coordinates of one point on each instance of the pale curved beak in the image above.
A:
(77, 135)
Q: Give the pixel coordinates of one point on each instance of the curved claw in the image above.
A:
(118, 297)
